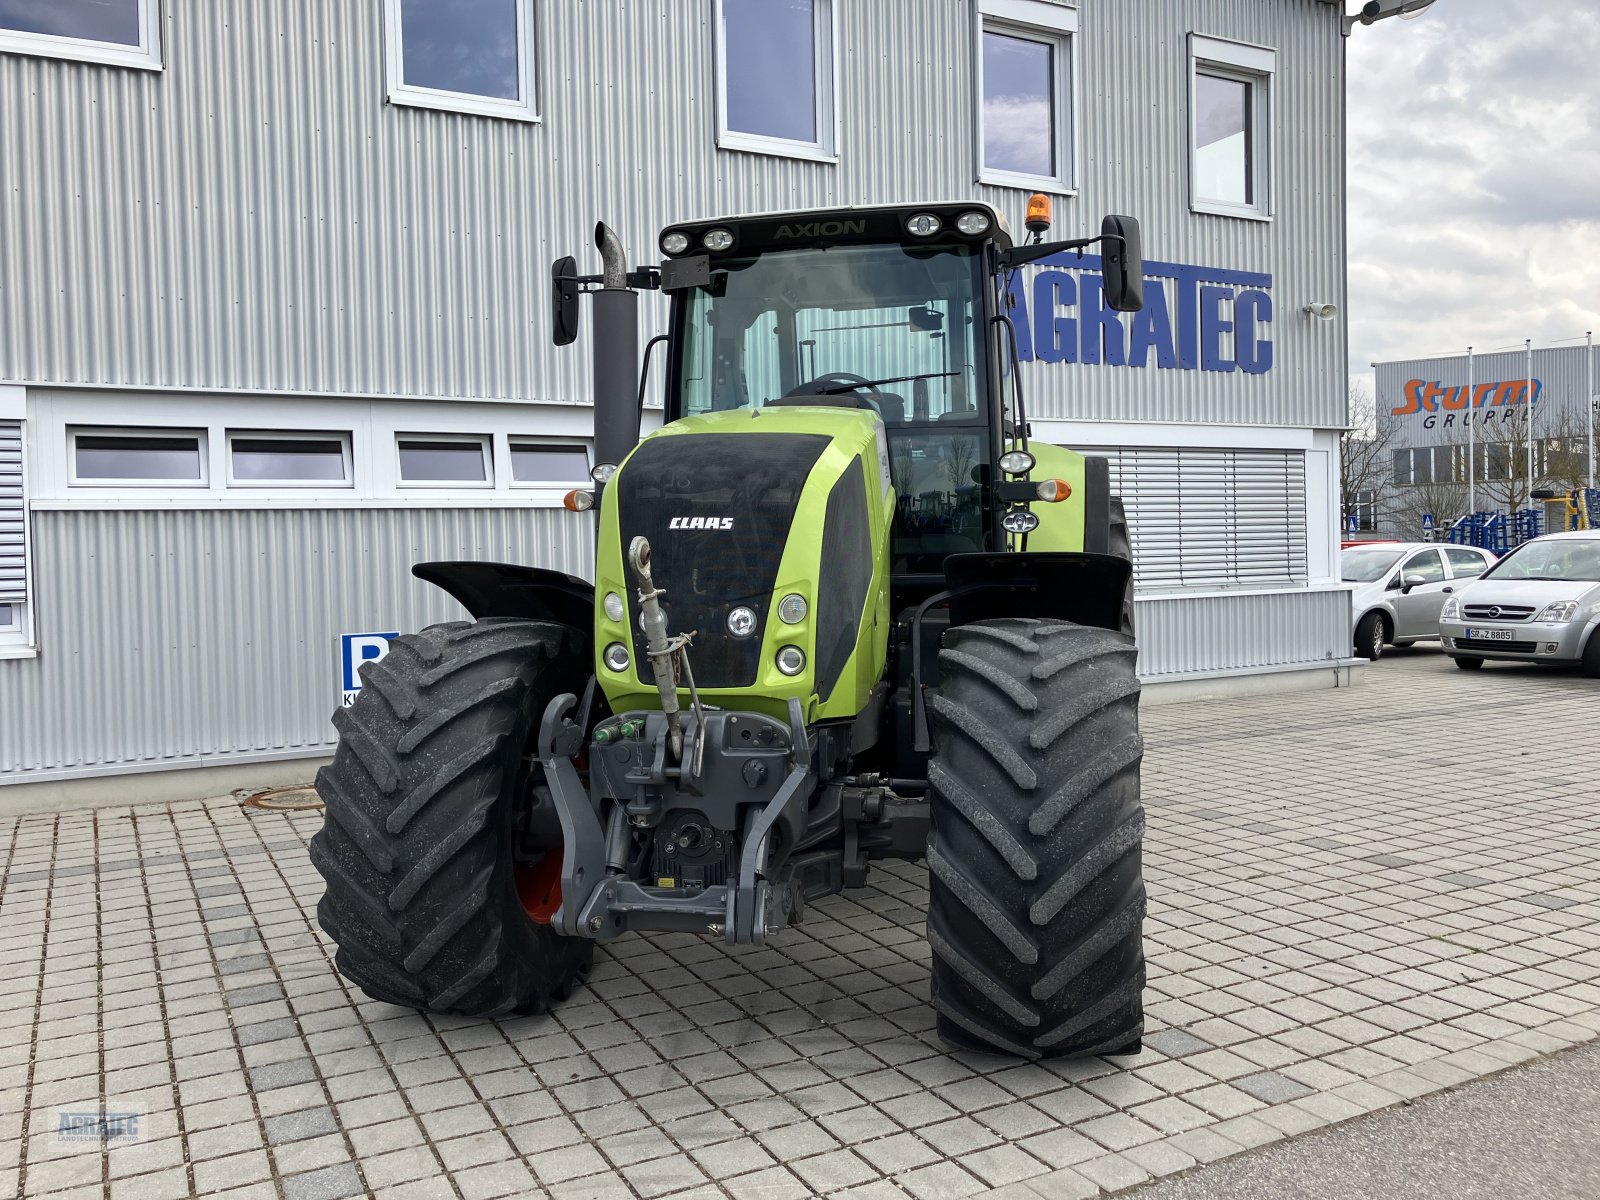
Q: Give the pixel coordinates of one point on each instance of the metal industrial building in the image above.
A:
(273, 310)
(1454, 434)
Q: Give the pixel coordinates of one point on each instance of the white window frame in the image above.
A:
(524, 439)
(76, 431)
(825, 46)
(1054, 25)
(146, 56)
(483, 441)
(1243, 63)
(290, 435)
(410, 94)
(16, 636)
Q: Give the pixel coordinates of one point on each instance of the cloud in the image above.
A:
(1474, 154)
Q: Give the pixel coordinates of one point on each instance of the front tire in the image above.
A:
(427, 795)
(1372, 631)
(1591, 656)
(1036, 897)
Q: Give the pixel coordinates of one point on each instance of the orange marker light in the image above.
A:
(578, 500)
(1038, 213)
(1054, 491)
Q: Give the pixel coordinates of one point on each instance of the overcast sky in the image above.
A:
(1474, 179)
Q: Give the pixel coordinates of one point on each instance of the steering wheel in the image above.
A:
(818, 386)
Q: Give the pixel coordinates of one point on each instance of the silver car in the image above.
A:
(1540, 603)
(1400, 588)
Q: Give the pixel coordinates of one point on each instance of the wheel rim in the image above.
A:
(1377, 639)
(539, 886)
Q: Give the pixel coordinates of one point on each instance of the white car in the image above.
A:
(1540, 603)
(1400, 588)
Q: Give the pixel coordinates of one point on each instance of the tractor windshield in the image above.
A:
(897, 327)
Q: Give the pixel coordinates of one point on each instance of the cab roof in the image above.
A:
(835, 226)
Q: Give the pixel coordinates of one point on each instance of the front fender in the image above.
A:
(508, 590)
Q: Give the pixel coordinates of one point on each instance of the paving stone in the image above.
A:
(329, 1183)
(292, 1127)
(1272, 1088)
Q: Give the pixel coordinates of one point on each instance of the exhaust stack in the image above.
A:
(616, 353)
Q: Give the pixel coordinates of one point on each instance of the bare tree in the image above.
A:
(1364, 459)
(1445, 500)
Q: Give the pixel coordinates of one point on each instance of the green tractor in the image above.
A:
(843, 610)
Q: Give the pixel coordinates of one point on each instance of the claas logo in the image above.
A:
(700, 523)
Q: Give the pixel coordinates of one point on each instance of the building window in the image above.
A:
(289, 459)
(119, 33)
(1230, 117)
(1250, 503)
(775, 77)
(138, 458)
(471, 56)
(1025, 94)
(445, 460)
(1365, 511)
(13, 540)
(1402, 468)
(536, 462)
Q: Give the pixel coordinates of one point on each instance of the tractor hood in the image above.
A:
(742, 509)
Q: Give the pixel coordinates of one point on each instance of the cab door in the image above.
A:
(1416, 606)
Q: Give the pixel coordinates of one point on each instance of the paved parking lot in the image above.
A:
(1356, 897)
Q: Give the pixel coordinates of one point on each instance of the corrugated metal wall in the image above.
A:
(256, 216)
(1243, 631)
(173, 638)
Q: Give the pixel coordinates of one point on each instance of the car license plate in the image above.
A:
(1490, 635)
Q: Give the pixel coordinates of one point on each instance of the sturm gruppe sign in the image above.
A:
(1194, 318)
(1443, 405)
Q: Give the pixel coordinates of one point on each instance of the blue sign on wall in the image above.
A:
(1194, 318)
(355, 649)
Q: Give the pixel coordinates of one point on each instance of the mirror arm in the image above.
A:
(1017, 256)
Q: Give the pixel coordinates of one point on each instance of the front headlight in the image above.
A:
(1562, 610)
(1451, 610)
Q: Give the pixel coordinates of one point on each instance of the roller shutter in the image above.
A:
(1213, 518)
(13, 546)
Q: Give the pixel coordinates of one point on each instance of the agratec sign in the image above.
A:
(1194, 318)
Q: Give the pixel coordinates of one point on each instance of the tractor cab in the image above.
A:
(883, 309)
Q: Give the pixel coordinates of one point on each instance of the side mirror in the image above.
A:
(564, 301)
(1412, 581)
(1122, 263)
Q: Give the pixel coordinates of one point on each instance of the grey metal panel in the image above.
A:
(177, 637)
(13, 515)
(1242, 631)
(255, 216)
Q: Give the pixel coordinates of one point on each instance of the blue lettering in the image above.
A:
(1254, 354)
(1213, 325)
(1188, 318)
(1152, 326)
(1055, 337)
(1018, 302)
(1102, 331)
